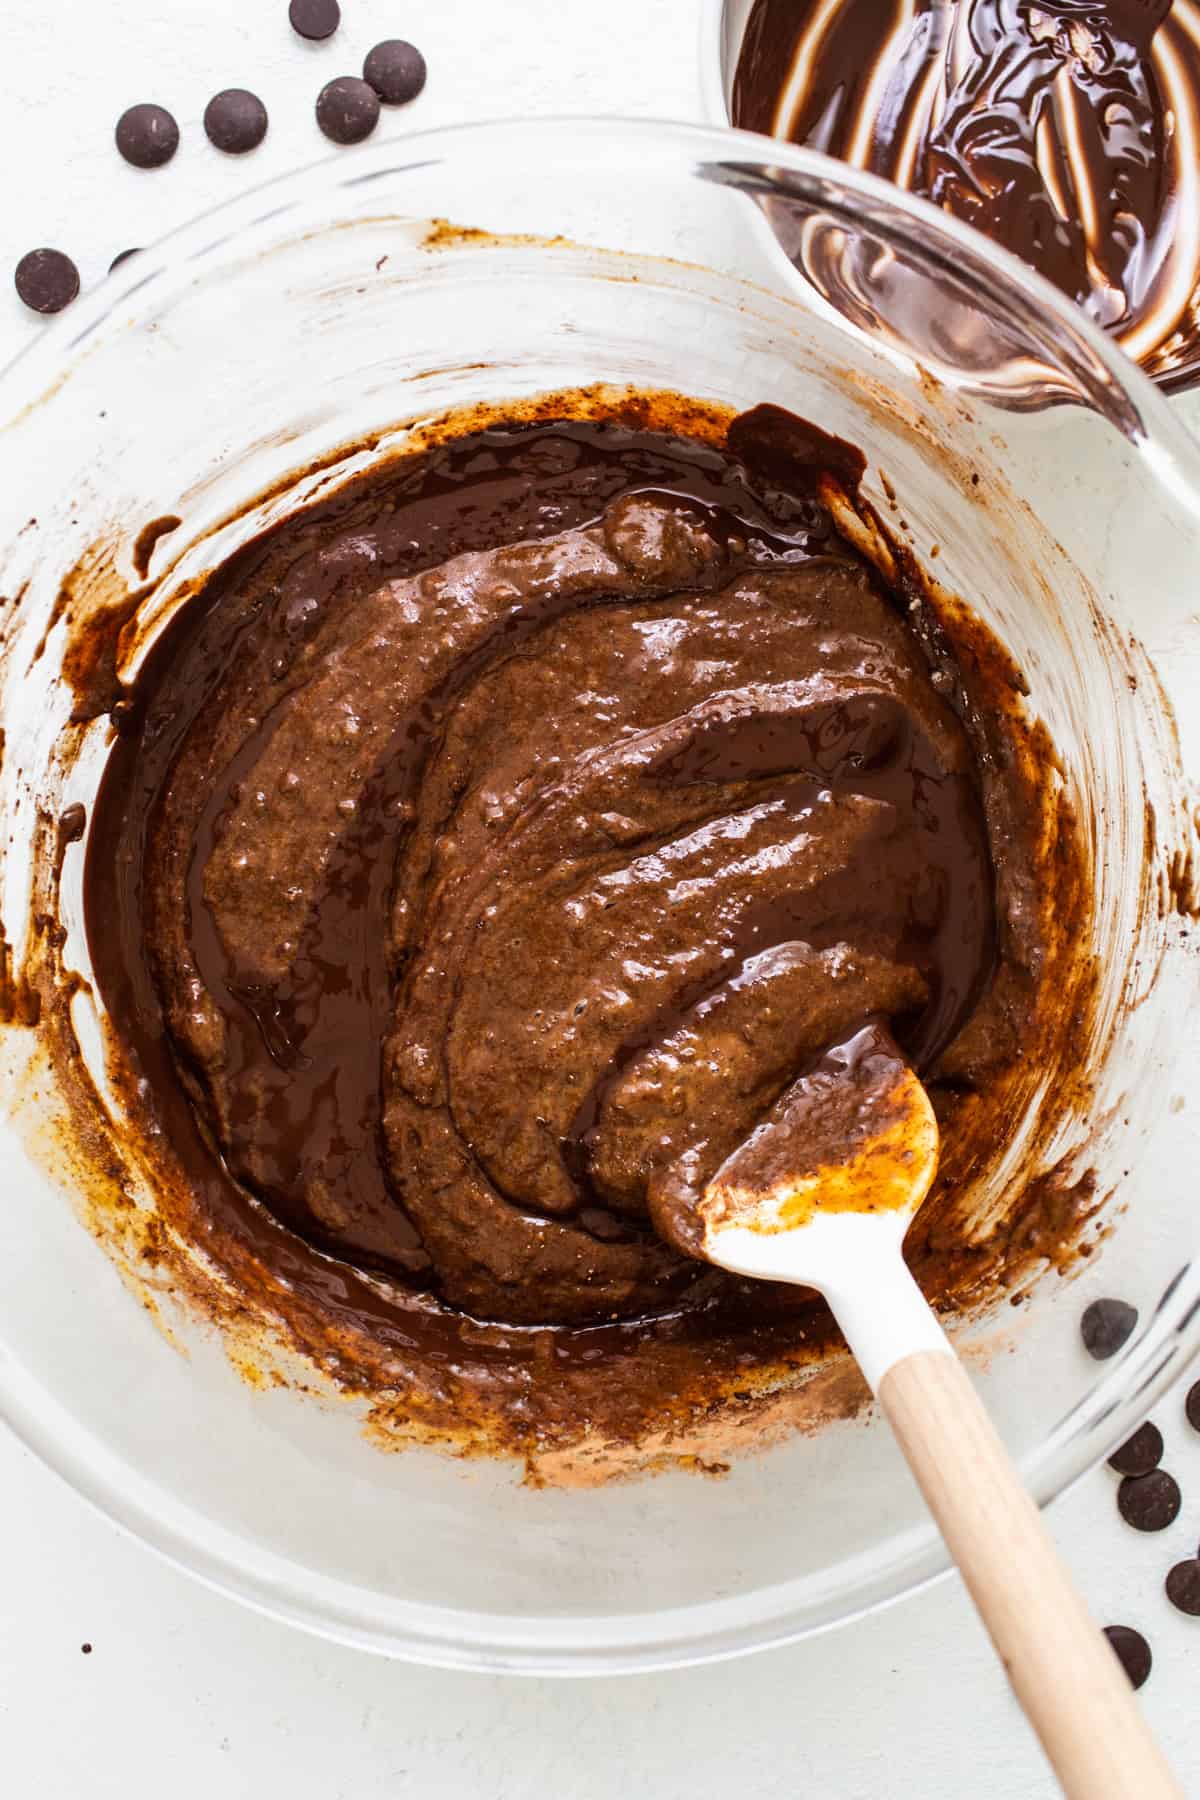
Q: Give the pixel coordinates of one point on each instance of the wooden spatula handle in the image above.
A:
(1065, 1675)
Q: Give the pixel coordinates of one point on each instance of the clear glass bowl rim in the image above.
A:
(610, 1643)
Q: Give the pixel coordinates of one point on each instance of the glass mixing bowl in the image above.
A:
(491, 263)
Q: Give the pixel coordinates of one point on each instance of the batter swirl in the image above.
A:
(479, 896)
(496, 840)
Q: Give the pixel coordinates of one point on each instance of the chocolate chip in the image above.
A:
(396, 70)
(347, 110)
(235, 121)
(1192, 1405)
(123, 256)
(1183, 1587)
(1133, 1651)
(46, 280)
(1149, 1502)
(315, 19)
(1106, 1325)
(1140, 1453)
(147, 136)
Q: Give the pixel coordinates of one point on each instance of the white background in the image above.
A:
(185, 1693)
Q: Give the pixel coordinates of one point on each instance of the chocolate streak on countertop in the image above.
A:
(696, 564)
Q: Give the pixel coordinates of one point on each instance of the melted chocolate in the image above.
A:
(1065, 129)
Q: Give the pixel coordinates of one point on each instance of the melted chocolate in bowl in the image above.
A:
(494, 840)
(1066, 130)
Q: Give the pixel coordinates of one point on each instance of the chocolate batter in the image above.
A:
(1067, 130)
(493, 841)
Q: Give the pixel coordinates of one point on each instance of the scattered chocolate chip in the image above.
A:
(123, 256)
(147, 136)
(396, 70)
(347, 110)
(1106, 1325)
(46, 280)
(235, 120)
(1140, 1453)
(1183, 1587)
(1133, 1652)
(315, 19)
(1192, 1405)
(86, 1648)
(1149, 1502)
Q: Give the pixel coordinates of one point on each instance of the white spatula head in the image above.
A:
(844, 1159)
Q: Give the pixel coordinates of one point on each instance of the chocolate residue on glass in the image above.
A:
(1067, 130)
(521, 819)
(148, 539)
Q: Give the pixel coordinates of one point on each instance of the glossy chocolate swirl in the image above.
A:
(1066, 130)
(525, 828)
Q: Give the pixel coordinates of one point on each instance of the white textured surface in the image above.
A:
(186, 1693)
